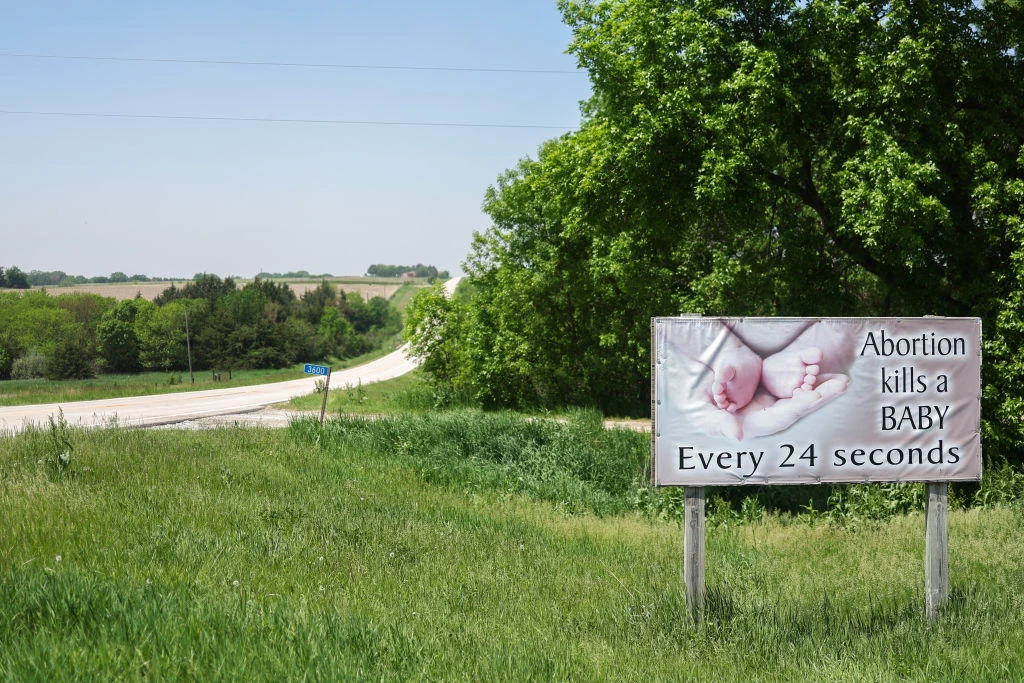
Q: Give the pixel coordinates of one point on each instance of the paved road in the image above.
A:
(160, 409)
(166, 408)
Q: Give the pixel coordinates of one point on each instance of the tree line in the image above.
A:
(294, 275)
(15, 278)
(419, 270)
(821, 158)
(260, 325)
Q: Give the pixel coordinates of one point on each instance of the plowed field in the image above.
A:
(150, 290)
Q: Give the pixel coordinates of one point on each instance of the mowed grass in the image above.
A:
(352, 553)
(16, 392)
(407, 393)
(32, 391)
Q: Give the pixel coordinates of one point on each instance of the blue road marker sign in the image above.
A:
(311, 369)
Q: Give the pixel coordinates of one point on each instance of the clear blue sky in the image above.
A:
(92, 196)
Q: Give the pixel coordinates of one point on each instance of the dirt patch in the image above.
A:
(120, 291)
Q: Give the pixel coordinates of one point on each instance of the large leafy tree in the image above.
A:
(117, 334)
(836, 153)
(160, 334)
(15, 278)
(757, 157)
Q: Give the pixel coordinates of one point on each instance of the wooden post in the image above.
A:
(327, 386)
(654, 395)
(936, 549)
(693, 515)
(693, 551)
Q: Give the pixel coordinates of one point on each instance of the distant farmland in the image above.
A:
(150, 290)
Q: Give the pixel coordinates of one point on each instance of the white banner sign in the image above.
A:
(806, 401)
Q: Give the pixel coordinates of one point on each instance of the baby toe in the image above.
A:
(719, 396)
(811, 355)
(726, 374)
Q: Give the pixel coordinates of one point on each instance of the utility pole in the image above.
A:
(188, 345)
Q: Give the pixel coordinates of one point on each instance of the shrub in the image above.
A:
(32, 365)
(6, 361)
(576, 464)
(71, 357)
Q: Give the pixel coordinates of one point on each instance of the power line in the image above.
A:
(303, 65)
(261, 119)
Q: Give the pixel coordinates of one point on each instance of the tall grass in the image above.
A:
(577, 464)
(408, 549)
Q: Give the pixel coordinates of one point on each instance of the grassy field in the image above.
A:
(406, 394)
(29, 391)
(16, 392)
(401, 298)
(461, 547)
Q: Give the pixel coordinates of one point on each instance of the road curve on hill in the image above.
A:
(142, 411)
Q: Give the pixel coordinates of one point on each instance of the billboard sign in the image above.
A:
(806, 401)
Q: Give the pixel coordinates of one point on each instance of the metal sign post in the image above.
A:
(324, 371)
(327, 387)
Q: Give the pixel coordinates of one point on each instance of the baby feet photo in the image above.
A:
(791, 371)
(737, 392)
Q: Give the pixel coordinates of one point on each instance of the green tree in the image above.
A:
(70, 355)
(85, 308)
(203, 286)
(117, 335)
(32, 319)
(279, 295)
(298, 340)
(161, 336)
(6, 362)
(315, 301)
(436, 332)
(419, 270)
(338, 336)
(39, 278)
(16, 279)
(57, 333)
(772, 158)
